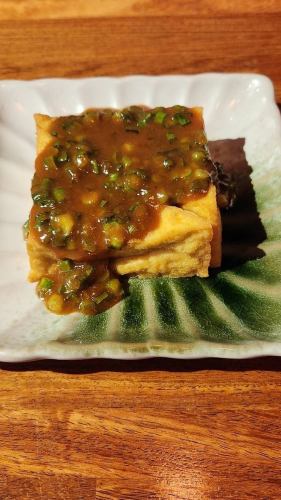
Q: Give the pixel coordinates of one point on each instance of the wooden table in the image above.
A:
(157, 429)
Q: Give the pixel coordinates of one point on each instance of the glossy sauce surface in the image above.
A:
(100, 183)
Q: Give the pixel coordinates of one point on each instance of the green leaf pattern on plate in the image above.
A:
(235, 306)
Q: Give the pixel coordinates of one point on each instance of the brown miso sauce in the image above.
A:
(101, 183)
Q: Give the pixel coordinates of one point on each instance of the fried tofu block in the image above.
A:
(180, 245)
(190, 257)
(40, 259)
(207, 208)
(200, 250)
(110, 202)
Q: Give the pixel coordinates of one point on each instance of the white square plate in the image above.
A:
(239, 311)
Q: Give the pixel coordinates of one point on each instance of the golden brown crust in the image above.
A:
(190, 257)
(185, 243)
(43, 136)
(207, 208)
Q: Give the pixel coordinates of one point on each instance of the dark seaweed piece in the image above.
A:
(224, 182)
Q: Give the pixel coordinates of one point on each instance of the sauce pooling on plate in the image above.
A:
(100, 183)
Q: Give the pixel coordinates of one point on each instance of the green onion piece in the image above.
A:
(45, 184)
(181, 119)
(103, 203)
(71, 171)
(160, 116)
(54, 133)
(144, 120)
(131, 228)
(69, 122)
(126, 161)
(41, 219)
(64, 265)
(101, 297)
(49, 163)
(113, 177)
(167, 163)
(170, 136)
(198, 155)
(187, 174)
(45, 284)
(116, 243)
(55, 303)
(43, 200)
(200, 173)
(94, 166)
(81, 159)
(162, 196)
(117, 115)
(62, 156)
(86, 270)
(59, 194)
(134, 206)
(25, 229)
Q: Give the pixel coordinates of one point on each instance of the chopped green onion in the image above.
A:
(198, 155)
(41, 219)
(126, 161)
(49, 163)
(131, 228)
(59, 194)
(94, 165)
(55, 303)
(200, 173)
(71, 171)
(117, 115)
(167, 163)
(62, 156)
(25, 229)
(162, 197)
(103, 203)
(144, 120)
(181, 119)
(54, 133)
(115, 242)
(81, 159)
(113, 177)
(43, 200)
(187, 173)
(101, 297)
(170, 136)
(160, 116)
(45, 284)
(134, 206)
(45, 184)
(64, 265)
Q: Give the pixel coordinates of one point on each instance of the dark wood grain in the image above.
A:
(144, 429)
(153, 429)
(154, 45)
